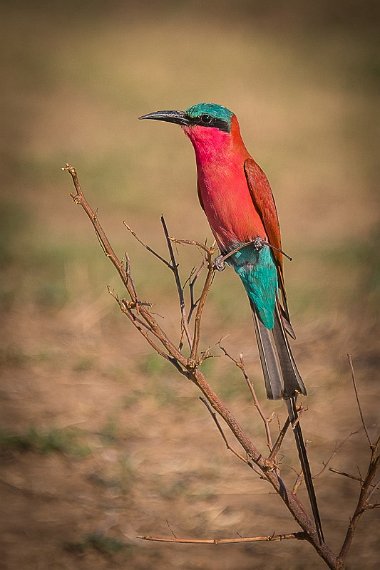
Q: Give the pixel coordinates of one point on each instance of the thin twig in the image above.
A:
(298, 482)
(194, 302)
(240, 364)
(358, 400)
(344, 474)
(147, 247)
(170, 528)
(369, 507)
(279, 440)
(362, 505)
(181, 298)
(143, 329)
(375, 487)
(191, 280)
(80, 199)
(236, 540)
(125, 275)
(214, 417)
(337, 448)
(207, 250)
(200, 306)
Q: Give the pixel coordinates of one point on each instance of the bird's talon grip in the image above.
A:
(219, 263)
(258, 243)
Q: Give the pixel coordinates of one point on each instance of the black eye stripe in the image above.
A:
(206, 120)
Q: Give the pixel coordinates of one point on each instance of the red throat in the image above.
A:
(209, 142)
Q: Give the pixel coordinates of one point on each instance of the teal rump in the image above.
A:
(258, 272)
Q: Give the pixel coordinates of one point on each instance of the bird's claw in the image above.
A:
(258, 243)
(219, 263)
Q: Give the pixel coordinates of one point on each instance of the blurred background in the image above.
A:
(100, 441)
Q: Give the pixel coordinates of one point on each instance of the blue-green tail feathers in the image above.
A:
(282, 379)
(258, 272)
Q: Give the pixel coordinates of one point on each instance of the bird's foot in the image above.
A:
(219, 263)
(258, 243)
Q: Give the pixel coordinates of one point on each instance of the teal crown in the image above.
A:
(212, 109)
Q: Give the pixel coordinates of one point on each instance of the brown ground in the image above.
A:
(99, 440)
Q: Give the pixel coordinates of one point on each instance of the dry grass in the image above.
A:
(72, 89)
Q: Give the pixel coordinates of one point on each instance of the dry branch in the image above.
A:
(142, 318)
(236, 540)
(336, 450)
(215, 418)
(240, 364)
(357, 398)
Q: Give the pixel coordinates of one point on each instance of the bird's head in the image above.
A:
(201, 115)
(208, 125)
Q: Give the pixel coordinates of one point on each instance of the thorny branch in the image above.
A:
(144, 321)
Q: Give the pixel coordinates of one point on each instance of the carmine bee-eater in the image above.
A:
(237, 199)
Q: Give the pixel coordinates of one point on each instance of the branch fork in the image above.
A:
(141, 317)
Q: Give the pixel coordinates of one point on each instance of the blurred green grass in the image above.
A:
(66, 441)
(106, 545)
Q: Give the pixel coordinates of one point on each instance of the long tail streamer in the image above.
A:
(282, 380)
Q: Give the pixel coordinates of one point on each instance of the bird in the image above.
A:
(237, 199)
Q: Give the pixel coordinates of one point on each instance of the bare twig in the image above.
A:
(236, 540)
(375, 487)
(362, 504)
(298, 482)
(271, 475)
(174, 267)
(337, 448)
(240, 364)
(80, 199)
(369, 507)
(202, 299)
(215, 418)
(192, 281)
(174, 355)
(367, 486)
(357, 399)
(279, 440)
(344, 474)
(147, 247)
(170, 528)
(207, 250)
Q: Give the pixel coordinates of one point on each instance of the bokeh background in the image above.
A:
(101, 441)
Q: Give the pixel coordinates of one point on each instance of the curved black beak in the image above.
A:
(178, 117)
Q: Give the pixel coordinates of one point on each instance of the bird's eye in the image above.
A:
(206, 119)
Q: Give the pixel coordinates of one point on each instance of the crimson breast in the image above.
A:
(227, 202)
